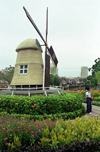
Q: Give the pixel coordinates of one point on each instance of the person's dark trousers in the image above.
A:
(89, 105)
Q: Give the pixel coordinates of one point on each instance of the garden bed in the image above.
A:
(18, 134)
(29, 119)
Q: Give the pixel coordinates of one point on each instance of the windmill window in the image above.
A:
(21, 66)
(23, 69)
(25, 66)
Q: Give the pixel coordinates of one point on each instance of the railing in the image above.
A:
(31, 91)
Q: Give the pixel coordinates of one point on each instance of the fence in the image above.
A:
(32, 91)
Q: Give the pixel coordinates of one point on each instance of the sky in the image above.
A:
(73, 31)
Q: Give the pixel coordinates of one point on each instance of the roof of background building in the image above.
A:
(4, 72)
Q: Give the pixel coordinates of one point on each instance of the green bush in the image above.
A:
(63, 116)
(41, 105)
(97, 98)
(96, 103)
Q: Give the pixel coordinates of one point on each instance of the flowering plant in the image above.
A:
(40, 105)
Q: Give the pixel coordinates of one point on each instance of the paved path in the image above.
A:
(95, 111)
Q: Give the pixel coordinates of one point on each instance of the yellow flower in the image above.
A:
(46, 132)
(60, 138)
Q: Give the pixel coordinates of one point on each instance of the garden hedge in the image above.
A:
(53, 106)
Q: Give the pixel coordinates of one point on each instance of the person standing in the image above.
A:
(89, 98)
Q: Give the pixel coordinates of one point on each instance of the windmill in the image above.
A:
(49, 52)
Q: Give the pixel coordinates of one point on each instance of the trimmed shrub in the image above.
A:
(41, 105)
(63, 116)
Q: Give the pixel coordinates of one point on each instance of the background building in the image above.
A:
(84, 72)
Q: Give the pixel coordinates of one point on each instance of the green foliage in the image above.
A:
(24, 116)
(40, 104)
(91, 81)
(54, 80)
(96, 103)
(14, 144)
(63, 116)
(67, 133)
(95, 69)
(97, 98)
(97, 75)
(19, 132)
(56, 134)
(96, 66)
(51, 79)
(7, 74)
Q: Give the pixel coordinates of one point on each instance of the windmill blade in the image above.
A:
(53, 55)
(33, 23)
(46, 23)
(50, 50)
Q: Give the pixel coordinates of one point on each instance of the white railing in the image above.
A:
(35, 90)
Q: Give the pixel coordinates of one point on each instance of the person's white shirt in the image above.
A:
(88, 94)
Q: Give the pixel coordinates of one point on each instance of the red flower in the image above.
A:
(71, 106)
(51, 106)
(33, 106)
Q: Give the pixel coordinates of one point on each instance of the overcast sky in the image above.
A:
(74, 31)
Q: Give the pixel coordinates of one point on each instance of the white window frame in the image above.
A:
(23, 69)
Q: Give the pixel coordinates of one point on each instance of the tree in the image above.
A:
(95, 67)
(51, 79)
(7, 74)
(54, 80)
(97, 75)
(91, 81)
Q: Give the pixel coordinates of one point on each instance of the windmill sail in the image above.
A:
(50, 50)
(33, 23)
(53, 56)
